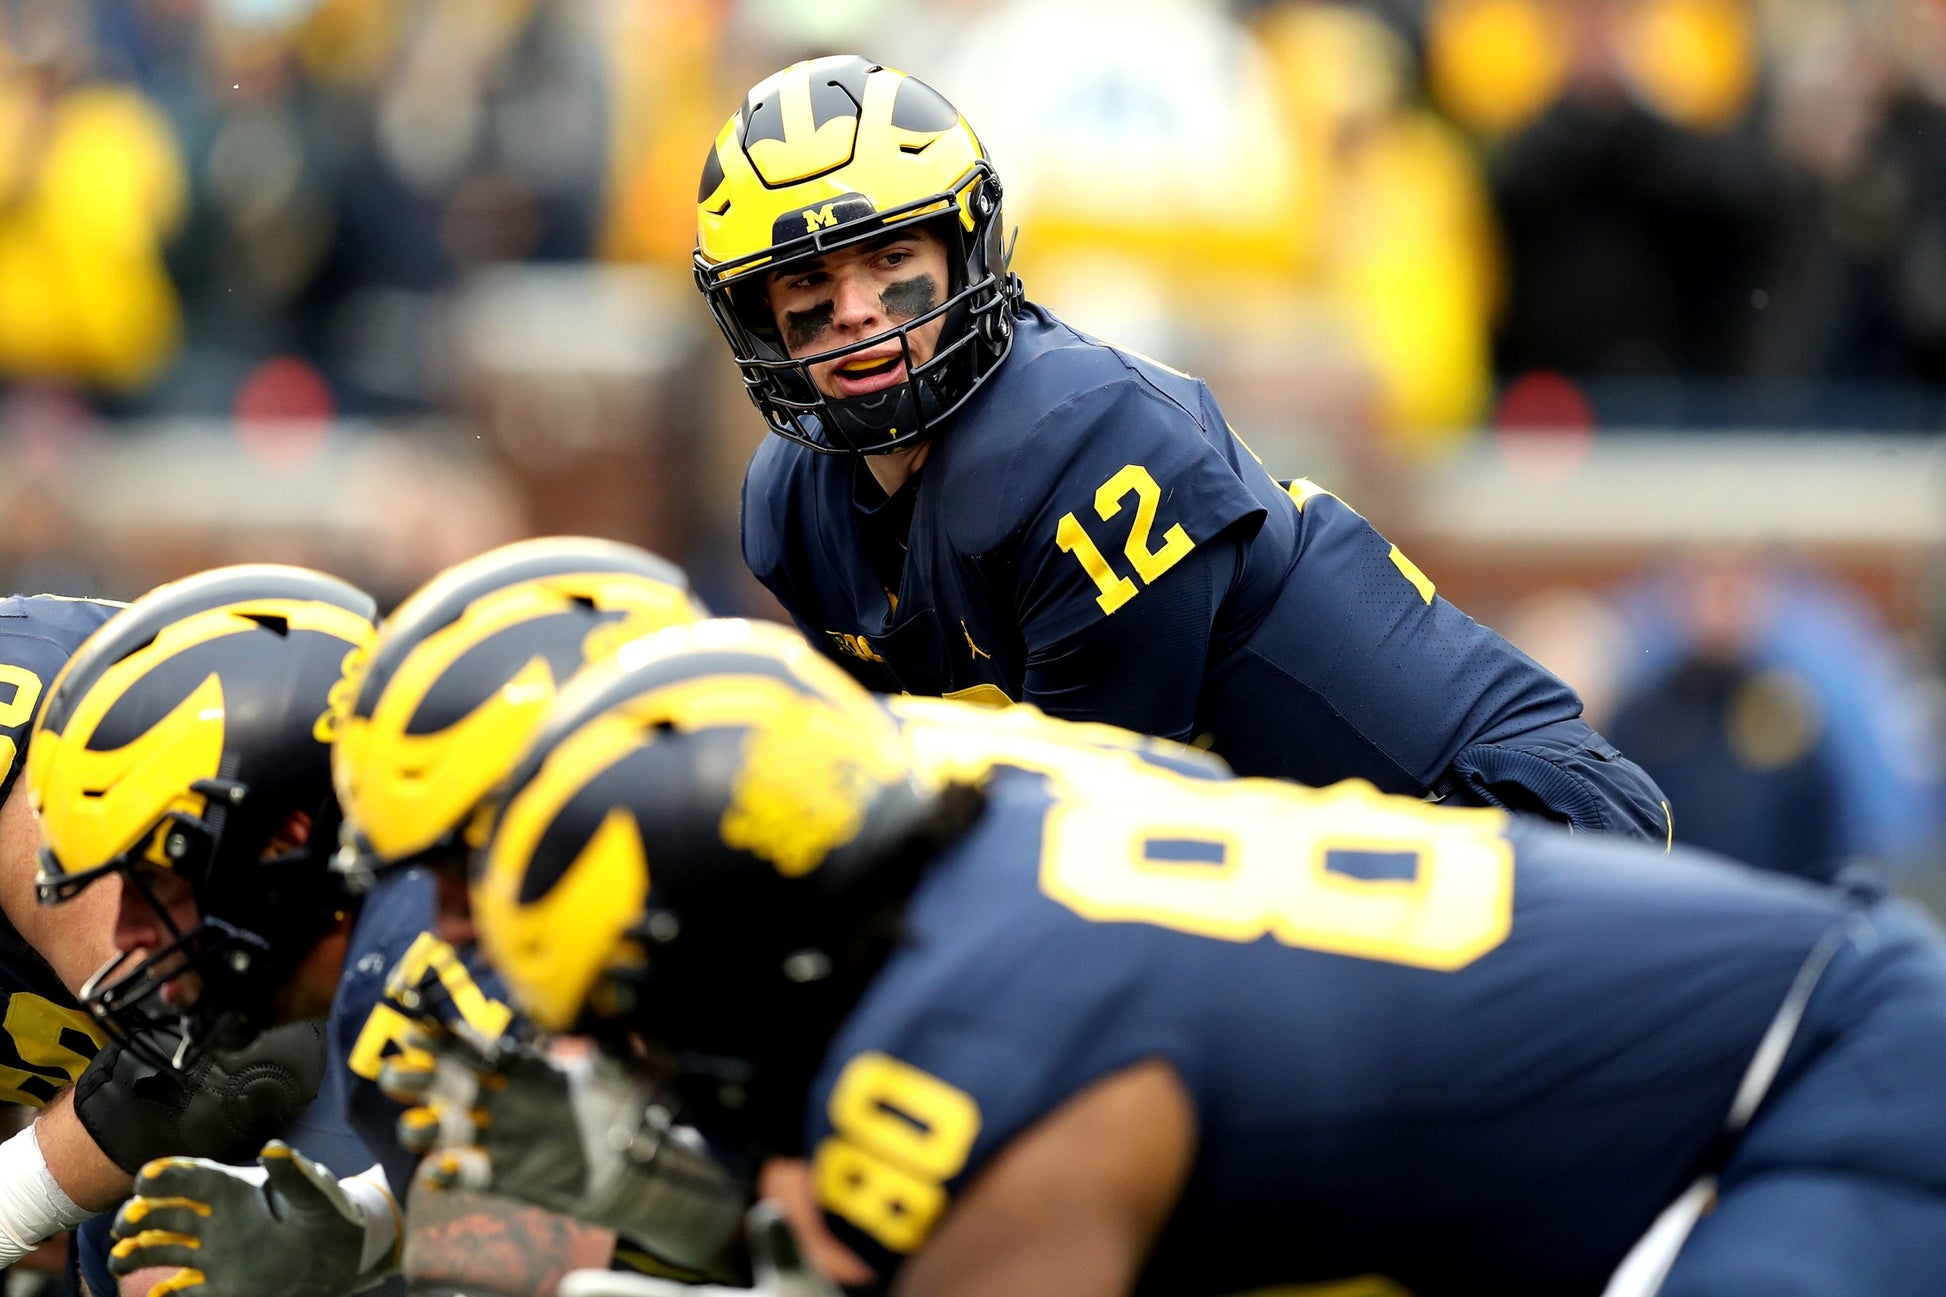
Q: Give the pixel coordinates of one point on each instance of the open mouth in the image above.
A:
(868, 368)
(865, 375)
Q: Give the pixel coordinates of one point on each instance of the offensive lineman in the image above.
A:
(1058, 1028)
(80, 1154)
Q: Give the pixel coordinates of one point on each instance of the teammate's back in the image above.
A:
(1465, 1052)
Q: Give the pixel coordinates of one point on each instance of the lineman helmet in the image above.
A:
(462, 674)
(830, 153)
(191, 733)
(710, 845)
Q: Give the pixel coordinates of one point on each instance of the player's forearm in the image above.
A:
(85, 1173)
(52, 1177)
(458, 1241)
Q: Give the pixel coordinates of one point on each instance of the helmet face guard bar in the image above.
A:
(124, 994)
(833, 432)
(235, 964)
(358, 867)
(187, 841)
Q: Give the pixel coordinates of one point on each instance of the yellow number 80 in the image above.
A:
(901, 1134)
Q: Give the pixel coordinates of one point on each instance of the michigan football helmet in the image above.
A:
(709, 845)
(830, 153)
(191, 733)
(463, 673)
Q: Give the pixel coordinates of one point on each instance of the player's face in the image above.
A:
(143, 927)
(848, 295)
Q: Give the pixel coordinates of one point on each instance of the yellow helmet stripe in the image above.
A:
(597, 898)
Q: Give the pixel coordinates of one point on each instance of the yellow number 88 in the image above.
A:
(1239, 861)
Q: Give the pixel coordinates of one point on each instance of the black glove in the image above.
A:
(222, 1106)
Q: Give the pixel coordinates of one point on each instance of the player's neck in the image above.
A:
(893, 471)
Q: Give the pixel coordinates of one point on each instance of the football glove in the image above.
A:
(776, 1261)
(578, 1137)
(289, 1228)
(223, 1105)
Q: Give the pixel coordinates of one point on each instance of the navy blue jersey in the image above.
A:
(393, 937)
(1466, 1051)
(38, 634)
(47, 1038)
(1068, 492)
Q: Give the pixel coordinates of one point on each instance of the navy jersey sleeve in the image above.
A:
(956, 1088)
(38, 634)
(1093, 677)
(763, 523)
(1116, 487)
(1439, 703)
(779, 529)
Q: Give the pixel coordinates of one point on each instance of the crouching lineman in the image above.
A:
(455, 684)
(666, 1190)
(184, 753)
(80, 1155)
(460, 679)
(1065, 1030)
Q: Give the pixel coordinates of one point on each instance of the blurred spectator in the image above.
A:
(91, 187)
(1628, 175)
(1778, 716)
(665, 109)
(1396, 229)
(1147, 164)
(350, 161)
(1857, 282)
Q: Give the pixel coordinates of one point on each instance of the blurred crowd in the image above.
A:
(1377, 228)
(1375, 219)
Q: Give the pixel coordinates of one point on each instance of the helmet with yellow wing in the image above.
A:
(824, 155)
(186, 747)
(710, 845)
(462, 675)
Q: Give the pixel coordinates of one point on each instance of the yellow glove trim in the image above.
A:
(154, 1238)
(185, 1278)
(141, 1205)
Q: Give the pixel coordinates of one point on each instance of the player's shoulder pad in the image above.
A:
(38, 634)
(1067, 414)
(778, 475)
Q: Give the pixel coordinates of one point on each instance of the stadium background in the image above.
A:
(1625, 318)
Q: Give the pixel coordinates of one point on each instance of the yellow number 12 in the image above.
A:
(1149, 564)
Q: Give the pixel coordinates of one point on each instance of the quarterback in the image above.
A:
(966, 497)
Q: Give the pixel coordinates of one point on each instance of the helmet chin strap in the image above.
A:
(864, 423)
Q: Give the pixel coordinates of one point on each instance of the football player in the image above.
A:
(184, 753)
(460, 679)
(1078, 1028)
(422, 726)
(966, 497)
(488, 1131)
(80, 1154)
